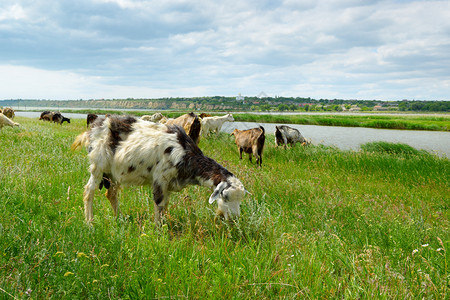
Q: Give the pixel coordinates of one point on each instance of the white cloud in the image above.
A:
(124, 48)
(20, 82)
(13, 12)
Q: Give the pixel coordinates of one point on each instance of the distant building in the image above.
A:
(239, 97)
(355, 108)
(379, 108)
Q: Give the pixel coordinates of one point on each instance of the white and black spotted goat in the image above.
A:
(129, 151)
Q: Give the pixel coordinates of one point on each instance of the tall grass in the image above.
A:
(319, 223)
(392, 148)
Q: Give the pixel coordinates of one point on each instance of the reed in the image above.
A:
(319, 223)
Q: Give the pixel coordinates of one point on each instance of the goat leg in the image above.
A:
(112, 195)
(160, 200)
(88, 197)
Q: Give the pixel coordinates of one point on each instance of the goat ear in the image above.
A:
(219, 189)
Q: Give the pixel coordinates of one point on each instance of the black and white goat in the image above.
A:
(59, 118)
(130, 151)
(285, 135)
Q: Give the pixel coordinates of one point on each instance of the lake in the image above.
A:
(346, 138)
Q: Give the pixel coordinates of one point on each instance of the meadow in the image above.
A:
(319, 223)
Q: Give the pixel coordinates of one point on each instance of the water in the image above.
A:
(350, 138)
(347, 138)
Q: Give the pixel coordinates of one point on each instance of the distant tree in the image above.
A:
(265, 107)
(416, 106)
(403, 106)
(282, 107)
(337, 107)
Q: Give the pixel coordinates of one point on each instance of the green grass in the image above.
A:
(319, 223)
(392, 148)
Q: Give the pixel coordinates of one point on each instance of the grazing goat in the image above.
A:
(46, 116)
(130, 151)
(156, 117)
(52, 116)
(204, 115)
(90, 119)
(190, 123)
(59, 118)
(5, 121)
(287, 135)
(250, 141)
(9, 112)
(214, 124)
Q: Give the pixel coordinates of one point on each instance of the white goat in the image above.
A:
(156, 117)
(5, 121)
(214, 124)
(130, 151)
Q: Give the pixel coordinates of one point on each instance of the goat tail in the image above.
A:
(261, 138)
(80, 141)
(194, 131)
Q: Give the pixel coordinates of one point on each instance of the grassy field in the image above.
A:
(431, 122)
(319, 223)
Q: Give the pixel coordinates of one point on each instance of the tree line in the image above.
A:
(221, 103)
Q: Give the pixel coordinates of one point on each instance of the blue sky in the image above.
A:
(346, 49)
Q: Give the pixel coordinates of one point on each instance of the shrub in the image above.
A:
(391, 148)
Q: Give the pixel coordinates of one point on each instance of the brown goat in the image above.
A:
(203, 115)
(46, 116)
(190, 123)
(90, 119)
(9, 112)
(250, 141)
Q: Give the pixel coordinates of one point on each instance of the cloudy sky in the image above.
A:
(346, 49)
